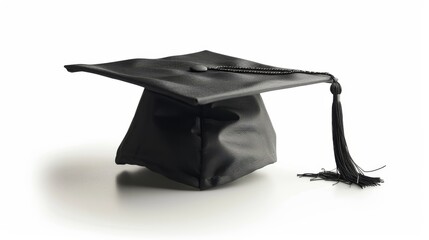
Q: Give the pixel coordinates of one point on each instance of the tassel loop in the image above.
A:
(336, 87)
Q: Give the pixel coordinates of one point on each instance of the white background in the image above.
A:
(59, 131)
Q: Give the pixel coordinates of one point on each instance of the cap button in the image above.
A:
(198, 68)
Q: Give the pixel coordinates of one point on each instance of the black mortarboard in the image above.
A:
(201, 120)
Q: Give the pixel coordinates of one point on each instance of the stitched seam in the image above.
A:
(201, 146)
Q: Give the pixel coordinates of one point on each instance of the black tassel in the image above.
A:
(347, 170)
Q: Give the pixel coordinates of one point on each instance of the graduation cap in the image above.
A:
(201, 120)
